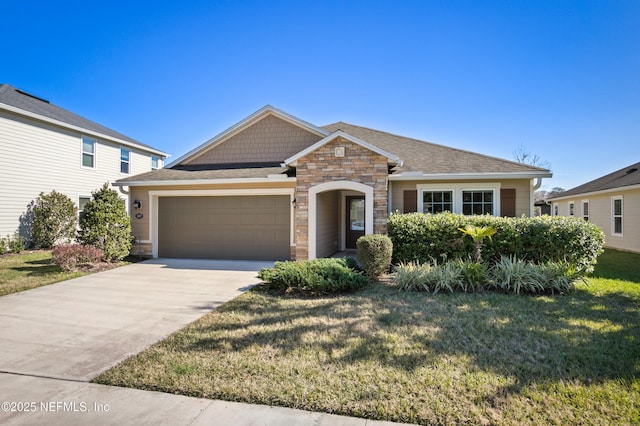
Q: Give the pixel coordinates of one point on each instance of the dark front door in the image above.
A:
(355, 220)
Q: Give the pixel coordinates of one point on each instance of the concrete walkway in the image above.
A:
(55, 339)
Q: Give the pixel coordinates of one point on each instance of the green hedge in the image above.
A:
(425, 238)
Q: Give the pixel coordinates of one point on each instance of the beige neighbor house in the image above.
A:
(48, 148)
(276, 187)
(612, 202)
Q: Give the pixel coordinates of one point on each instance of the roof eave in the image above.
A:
(393, 159)
(468, 176)
(177, 182)
(82, 130)
(591, 193)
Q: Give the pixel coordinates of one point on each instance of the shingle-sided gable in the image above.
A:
(266, 136)
(271, 139)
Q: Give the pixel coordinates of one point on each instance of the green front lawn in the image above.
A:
(415, 357)
(31, 269)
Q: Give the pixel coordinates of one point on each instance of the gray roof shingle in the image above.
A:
(627, 176)
(14, 97)
(432, 158)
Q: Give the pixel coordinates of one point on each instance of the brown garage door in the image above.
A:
(242, 227)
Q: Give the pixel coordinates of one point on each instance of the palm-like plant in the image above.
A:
(478, 234)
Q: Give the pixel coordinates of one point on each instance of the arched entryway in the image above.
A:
(328, 206)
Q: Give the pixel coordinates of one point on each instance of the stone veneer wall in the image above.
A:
(358, 165)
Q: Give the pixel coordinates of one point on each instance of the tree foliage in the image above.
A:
(54, 220)
(105, 224)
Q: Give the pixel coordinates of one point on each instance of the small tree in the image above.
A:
(478, 234)
(54, 220)
(104, 224)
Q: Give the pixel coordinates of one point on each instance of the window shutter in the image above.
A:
(410, 201)
(508, 202)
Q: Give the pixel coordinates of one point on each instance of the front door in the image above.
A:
(355, 220)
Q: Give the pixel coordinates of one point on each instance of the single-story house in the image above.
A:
(612, 202)
(46, 148)
(274, 186)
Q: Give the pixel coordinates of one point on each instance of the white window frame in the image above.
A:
(571, 211)
(127, 161)
(584, 203)
(614, 216)
(92, 154)
(458, 189)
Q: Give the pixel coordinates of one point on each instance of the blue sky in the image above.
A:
(559, 77)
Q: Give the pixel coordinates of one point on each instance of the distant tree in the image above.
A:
(105, 224)
(53, 219)
(524, 156)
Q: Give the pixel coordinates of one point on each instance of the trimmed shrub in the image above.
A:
(105, 224)
(4, 248)
(16, 243)
(314, 276)
(69, 256)
(54, 220)
(374, 254)
(422, 237)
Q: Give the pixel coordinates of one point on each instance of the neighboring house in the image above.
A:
(47, 148)
(276, 187)
(612, 202)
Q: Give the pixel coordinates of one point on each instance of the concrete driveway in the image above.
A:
(76, 329)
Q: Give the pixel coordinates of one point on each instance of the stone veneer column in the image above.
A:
(358, 164)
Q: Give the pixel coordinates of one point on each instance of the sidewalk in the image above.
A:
(52, 402)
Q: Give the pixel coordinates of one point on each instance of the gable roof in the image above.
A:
(626, 177)
(17, 101)
(340, 134)
(242, 125)
(420, 158)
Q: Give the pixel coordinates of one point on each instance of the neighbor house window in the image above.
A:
(585, 210)
(437, 201)
(82, 201)
(88, 152)
(616, 216)
(571, 208)
(124, 160)
(477, 202)
(154, 163)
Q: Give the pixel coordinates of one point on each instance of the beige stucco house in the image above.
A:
(612, 202)
(274, 186)
(48, 148)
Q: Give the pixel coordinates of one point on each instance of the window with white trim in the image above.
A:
(481, 198)
(585, 210)
(616, 216)
(437, 201)
(572, 208)
(124, 160)
(477, 202)
(154, 163)
(88, 152)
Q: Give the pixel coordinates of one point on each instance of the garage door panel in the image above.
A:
(229, 227)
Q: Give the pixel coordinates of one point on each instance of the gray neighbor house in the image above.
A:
(48, 148)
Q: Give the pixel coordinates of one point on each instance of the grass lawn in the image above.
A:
(418, 358)
(31, 269)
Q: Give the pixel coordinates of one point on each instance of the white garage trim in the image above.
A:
(154, 195)
(335, 186)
